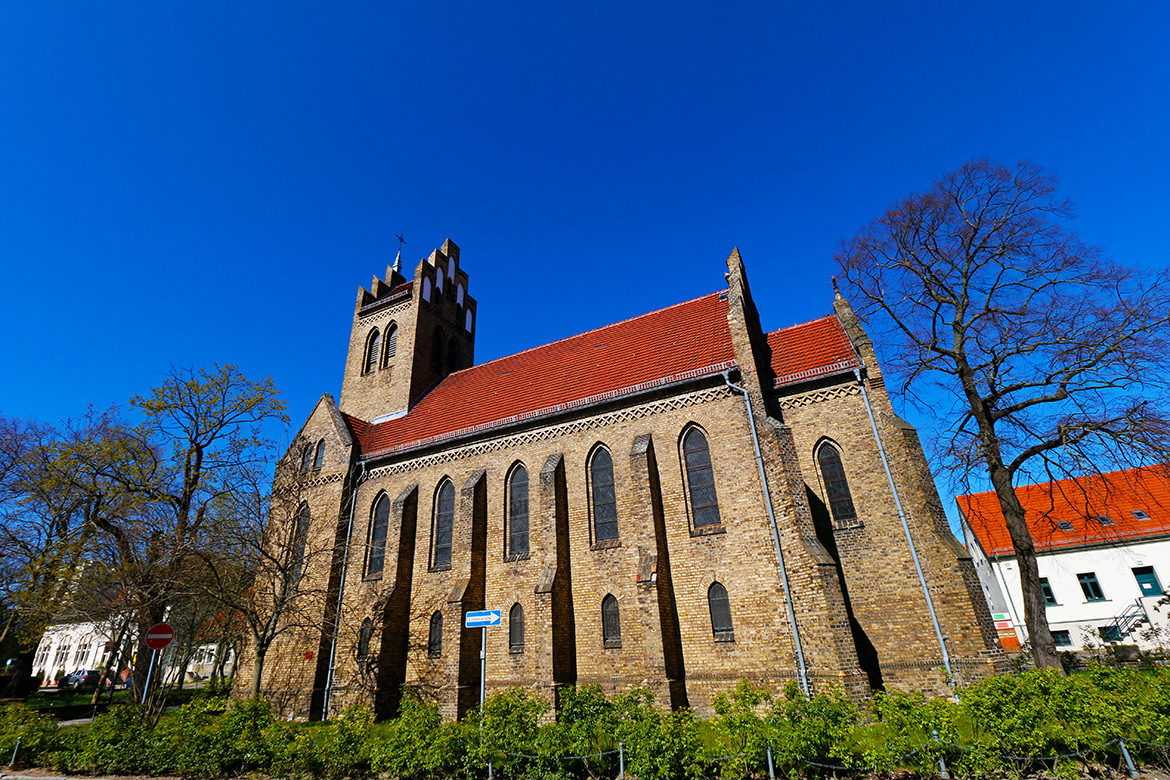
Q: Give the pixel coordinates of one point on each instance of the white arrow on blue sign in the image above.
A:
(485, 617)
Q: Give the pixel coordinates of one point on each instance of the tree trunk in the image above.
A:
(1035, 614)
(258, 669)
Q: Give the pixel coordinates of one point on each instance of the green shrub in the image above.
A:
(817, 730)
(37, 734)
(117, 742)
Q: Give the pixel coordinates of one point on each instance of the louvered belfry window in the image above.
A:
(611, 622)
(378, 528)
(372, 351)
(518, 512)
(516, 628)
(605, 525)
(391, 343)
(435, 637)
(720, 612)
(700, 479)
(444, 522)
(836, 486)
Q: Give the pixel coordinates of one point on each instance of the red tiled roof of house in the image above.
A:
(680, 342)
(810, 350)
(1078, 503)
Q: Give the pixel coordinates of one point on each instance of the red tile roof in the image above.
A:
(681, 342)
(810, 350)
(1078, 502)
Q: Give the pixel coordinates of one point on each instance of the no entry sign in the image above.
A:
(159, 636)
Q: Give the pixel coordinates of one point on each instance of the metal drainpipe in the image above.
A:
(801, 671)
(340, 596)
(946, 657)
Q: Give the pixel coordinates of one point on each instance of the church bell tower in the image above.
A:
(407, 335)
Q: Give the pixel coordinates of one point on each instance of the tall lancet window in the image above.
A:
(443, 525)
(605, 526)
(700, 479)
(836, 486)
(518, 512)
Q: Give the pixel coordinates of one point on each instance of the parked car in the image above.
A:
(80, 679)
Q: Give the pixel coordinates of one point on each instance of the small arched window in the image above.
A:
(437, 350)
(439, 279)
(364, 637)
(306, 458)
(605, 525)
(426, 291)
(435, 637)
(611, 622)
(372, 342)
(300, 539)
(391, 344)
(516, 628)
(720, 613)
(518, 512)
(443, 524)
(700, 479)
(836, 486)
(452, 356)
(319, 457)
(379, 523)
(459, 294)
(467, 321)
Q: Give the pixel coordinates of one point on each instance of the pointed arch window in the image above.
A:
(372, 344)
(364, 637)
(443, 524)
(435, 636)
(300, 539)
(306, 458)
(720, 607)
(391, 344)
(836, 486)
(518, 512)
(605, 525)
(426, 291)
(704, 503)
(319, 457)
(516, 629)
(611, 622)
(379, 524)
(437, 350)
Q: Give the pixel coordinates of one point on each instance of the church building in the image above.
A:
(676, 502)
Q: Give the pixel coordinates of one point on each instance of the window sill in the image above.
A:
(516, 650)
(444, 567)
(606, 544)
(709, 530)
(847, 525)
(372, 578)
(725, 636)
(516, 557)
(613, 644)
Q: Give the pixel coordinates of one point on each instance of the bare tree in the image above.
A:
(1053, 359)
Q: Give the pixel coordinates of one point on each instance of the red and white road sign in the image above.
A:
(159, 636)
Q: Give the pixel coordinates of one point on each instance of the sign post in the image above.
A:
(159, 636)
(482, 619)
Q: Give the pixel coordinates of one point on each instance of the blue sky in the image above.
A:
(185, 183)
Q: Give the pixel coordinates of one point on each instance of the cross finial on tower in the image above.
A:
(836, 291)
(398, 259)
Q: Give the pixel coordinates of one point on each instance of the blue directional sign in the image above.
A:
(485, 617)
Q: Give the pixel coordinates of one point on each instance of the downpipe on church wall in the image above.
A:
(801, 671)
(340, 595)
(946, 658)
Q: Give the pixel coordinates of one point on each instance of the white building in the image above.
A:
(1103, 550)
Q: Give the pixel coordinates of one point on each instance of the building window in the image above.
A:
(516, 629)
(836, 486)
(437, 350)
(1062, 638)
(605, 527)
(611, 622)
(1139, 514)
(391, 344)
(299, 539)
(372, 351)
(435, 637)
(1147, 580)
(306, 458)
(1104, 519)
(319, 457)
(81, 654)
(379, 524)
(700, 479)
(62, 655)
(720, 613)
(1064, 525)
(426, 291)
(364, 637)
(1090, 586)
(1046, 589)
(518, 512)
(1110, 633)
(467, 321)
(443, 523)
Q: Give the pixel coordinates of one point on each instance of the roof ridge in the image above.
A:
(802, 324)
(584, 333)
